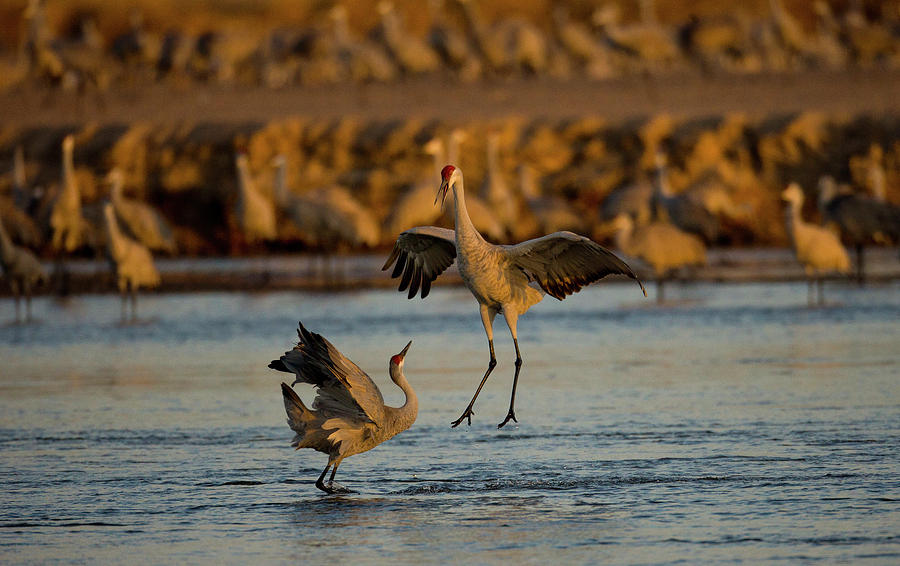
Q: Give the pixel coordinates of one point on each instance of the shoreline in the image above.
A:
(355, 272)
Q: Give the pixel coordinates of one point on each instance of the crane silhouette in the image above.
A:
(506, 279)
(817, 249)
(132, 261)
(348, 415)
(23, 270)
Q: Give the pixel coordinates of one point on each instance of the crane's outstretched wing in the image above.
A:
(343, 388)
(562, 263)
(421, 254)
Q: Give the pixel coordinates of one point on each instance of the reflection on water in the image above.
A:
(735, 426)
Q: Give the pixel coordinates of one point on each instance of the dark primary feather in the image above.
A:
(342, 385)
(421, 254)
(563, 262)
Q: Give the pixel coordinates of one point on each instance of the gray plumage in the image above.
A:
(348, 415)
(23, 270)
(131, 260)
(817, 249)
(140, 219)
(662, 245)
(254, 211)
(503, 278)
(861, 220)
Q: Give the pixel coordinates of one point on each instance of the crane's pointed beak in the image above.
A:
(442, 192)
(402, 353)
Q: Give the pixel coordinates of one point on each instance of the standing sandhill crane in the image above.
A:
(859, 219)
(413, 54)
(506, 278)
(662, 245)
(348, 415)
(552, 213)
(819, 250)
(681, 210)
(132, 262)
(452, 45)
(141, 220)
(255, 212)
(416, 206)
(16, 212)
(494, 189)
(66, 221)
(23, 270)
(365, 61)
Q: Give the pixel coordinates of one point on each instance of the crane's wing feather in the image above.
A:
(344, 390)
(421, 254)
(562, 263)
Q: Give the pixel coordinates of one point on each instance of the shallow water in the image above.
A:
(733, 425)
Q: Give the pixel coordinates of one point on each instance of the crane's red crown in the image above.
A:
(397, 359)
(447, 171)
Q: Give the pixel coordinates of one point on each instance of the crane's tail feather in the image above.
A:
(299, 417)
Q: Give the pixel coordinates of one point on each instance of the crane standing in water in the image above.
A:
(132, 261)
(348, 415)
(508, 279)
(23, 270)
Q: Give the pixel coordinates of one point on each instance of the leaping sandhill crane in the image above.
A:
(817, 249)
(412, 53)
(859, 219)
(348, 415)
(143, 222)
(662, 245)
(255, 213)
(503, 278)
(23, 270)
(132, 262)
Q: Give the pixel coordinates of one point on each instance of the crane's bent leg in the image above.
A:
(319, 483)
(511, 320)
(487, 319)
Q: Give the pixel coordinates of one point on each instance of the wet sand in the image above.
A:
(686, 94)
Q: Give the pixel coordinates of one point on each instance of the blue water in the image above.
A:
(732, 425)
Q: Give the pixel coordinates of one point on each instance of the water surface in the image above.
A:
(733, 425)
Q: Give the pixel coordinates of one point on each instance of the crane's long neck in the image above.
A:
(466, 234)
(401, 418)
(876, 182)
(19, 169)
(792, 220)
(623, 238)
(245, 182)
(113, 234)
(281, 183)
(6, 247)
(70, 186)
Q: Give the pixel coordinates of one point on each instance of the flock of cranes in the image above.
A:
(647, 221)
(594, 41)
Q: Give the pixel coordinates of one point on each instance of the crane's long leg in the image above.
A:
(860, 265)
(487, 319)
(810, 301)
(821, 295)
(660, 290)
(319, 483)
(133, 294)
(124, 292)
(511, 319)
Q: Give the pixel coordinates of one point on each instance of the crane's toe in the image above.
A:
(334, 488)
(509, 416)
(467, 414)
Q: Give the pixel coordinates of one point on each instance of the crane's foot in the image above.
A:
(467, 414)
(334, 488)
(510, 416)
